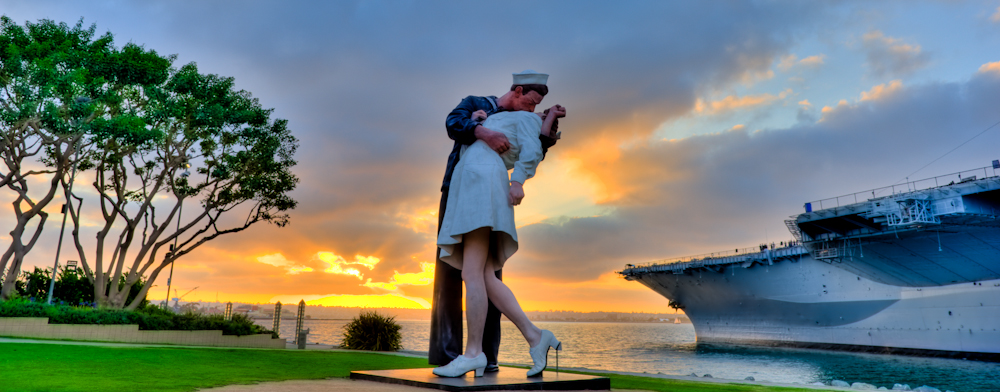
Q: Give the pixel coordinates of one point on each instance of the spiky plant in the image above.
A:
(372, 331)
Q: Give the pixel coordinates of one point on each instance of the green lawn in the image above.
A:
(45, 367)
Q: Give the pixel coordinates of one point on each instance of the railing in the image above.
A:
(908, 186)
(735, 252)
(828, 253)
(768, 256)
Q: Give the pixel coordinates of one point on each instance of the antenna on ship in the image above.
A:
(953, 150)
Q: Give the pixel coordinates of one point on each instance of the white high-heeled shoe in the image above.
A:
(540, 353)
(461, 365)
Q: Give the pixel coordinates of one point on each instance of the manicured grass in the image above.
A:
(44, 367)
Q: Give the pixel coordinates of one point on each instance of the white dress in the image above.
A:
(478, 195)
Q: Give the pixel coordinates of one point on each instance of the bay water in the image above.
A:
(672, 349)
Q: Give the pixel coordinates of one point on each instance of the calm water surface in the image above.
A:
(672, 349)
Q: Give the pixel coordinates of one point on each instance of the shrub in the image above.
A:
(72, 286)
(372, 331)
(34, 284)
(148, 317)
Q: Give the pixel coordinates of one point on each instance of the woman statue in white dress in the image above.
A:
(478, 234)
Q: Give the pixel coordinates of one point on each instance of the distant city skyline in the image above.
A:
(692, 127)
(319, 312)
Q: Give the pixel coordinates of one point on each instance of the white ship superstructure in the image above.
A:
(914, 271)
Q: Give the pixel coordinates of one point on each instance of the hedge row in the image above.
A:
(150, 318)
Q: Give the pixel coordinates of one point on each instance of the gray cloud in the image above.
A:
(734, 189)
(888, 56)
(366, 87)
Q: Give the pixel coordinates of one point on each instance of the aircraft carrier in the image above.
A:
(911, 268)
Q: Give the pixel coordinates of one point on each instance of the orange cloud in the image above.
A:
(877, 92)
(559, 189)
(337, 264)
(751, 77)
(594, 157)
(279, 260)
(422, 278)
(993, 67)
(618, 178)
(888, 55)
(733, 102)
(996, 16)
(790, 61)
(895, 45)
(881, 91)
(423, 221)
(787, 62)
(813, 61)
(622, 178)
(805, 102)
(828, 109)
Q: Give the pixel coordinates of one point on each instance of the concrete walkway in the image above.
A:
(333, 384)
(340, 384)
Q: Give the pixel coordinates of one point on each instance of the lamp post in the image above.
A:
(277, 319)
(173, 248)
(65, 206)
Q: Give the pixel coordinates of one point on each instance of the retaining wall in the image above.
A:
(39, 328)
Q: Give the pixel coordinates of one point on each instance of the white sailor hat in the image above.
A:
(530, 77)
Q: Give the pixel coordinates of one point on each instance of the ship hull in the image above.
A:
(801, 301)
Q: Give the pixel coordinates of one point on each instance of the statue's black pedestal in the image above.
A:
(509, 379)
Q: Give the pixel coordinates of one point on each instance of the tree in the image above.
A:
(47, 71)
(145, 127)
(241, 160)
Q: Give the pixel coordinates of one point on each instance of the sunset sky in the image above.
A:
(692, 127)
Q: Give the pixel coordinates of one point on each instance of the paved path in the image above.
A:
(340, 384)
(333, 384)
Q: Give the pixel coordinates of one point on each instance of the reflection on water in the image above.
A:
(672, 349)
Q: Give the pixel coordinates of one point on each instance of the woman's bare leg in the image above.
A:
(504, 300)
(476, 249)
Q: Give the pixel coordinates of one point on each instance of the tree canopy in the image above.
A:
(74, 106)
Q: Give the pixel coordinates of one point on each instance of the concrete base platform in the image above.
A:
(507, 378)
